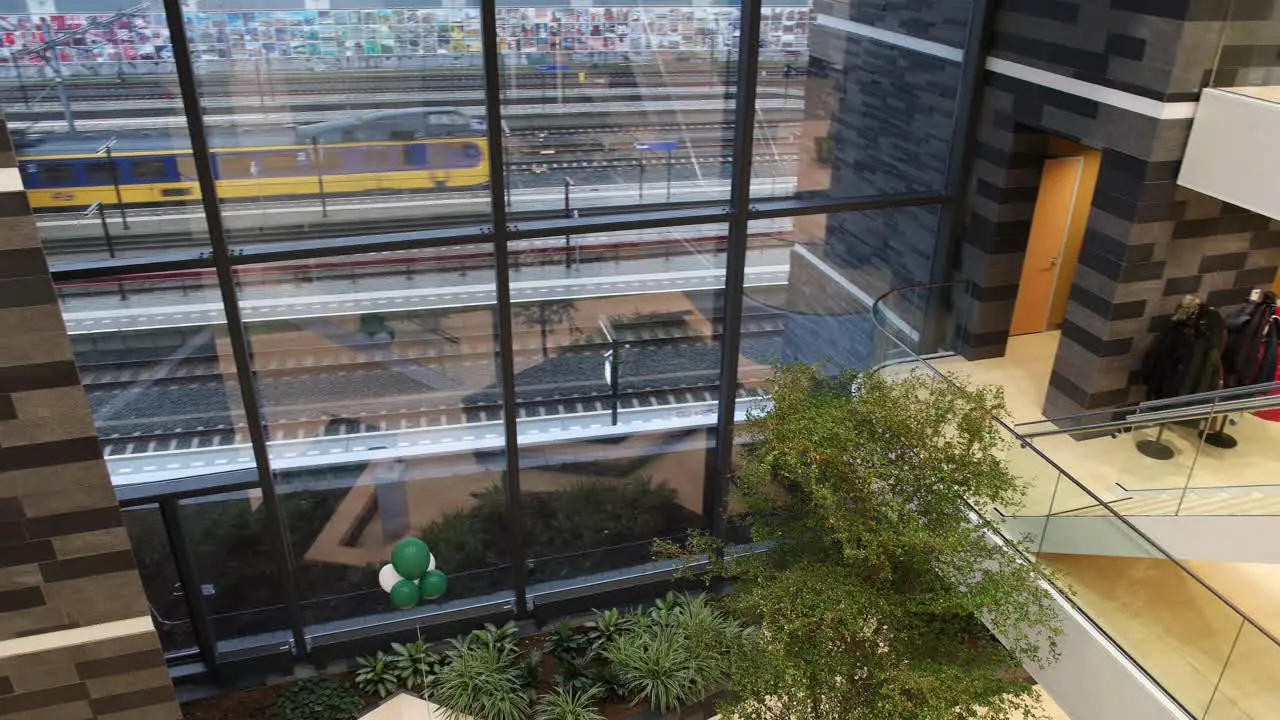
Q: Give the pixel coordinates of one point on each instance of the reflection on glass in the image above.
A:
(617, 359)
(156, 363)
(382, 355)
(343, 122)
(617, 107)
(865, 107)
(96, 119)
(166, 597)
(1172, 626)
(1248, 688)
(343, 521)
(237, 566)
(829, 270)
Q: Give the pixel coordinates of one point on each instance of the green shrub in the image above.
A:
(317, 698)
(569, 704)
(655, 666)
(564, 530)
(414, 665)
(377, 674)
(480, 681)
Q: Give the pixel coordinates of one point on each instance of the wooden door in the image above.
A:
(1049, 226)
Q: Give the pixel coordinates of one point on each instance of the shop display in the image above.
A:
(398, 32)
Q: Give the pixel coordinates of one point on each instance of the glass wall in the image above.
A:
(394, 330)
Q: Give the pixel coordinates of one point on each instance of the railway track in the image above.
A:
(259, 80)
(441, 409)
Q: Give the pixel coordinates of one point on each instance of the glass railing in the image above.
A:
(1206, 454)
(1205, 652)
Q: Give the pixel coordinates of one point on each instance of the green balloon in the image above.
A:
(410, 558)
(404, 594)
(432, 585)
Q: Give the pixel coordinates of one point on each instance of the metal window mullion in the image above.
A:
(717, 479)
(502, 291)
(185, 563)
(239, 341)
(963, 137)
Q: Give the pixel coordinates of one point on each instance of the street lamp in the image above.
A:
(115, 179)
(106, 231)
(315, 160)
(568, 213)
(612, 364)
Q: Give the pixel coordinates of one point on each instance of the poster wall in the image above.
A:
(334, 33)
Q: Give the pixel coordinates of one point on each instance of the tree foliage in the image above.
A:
(869, 594)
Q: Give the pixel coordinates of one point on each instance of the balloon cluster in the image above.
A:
(412, 575)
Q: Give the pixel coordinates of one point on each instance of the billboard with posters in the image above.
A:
(399, 31)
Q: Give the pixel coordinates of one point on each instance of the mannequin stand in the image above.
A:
(1219, 437)
(1155, 449)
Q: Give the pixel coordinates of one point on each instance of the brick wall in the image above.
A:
(76, 639)
(1148, 241)
(892, 112)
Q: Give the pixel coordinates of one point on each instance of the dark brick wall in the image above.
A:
(892, 118)
(1154, 48)
(73, 616)
(1148, 241)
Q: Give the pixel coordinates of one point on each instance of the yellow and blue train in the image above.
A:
(381, 152)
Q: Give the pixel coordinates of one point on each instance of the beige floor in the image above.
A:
(1175, 628)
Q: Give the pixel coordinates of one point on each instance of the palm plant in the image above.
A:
(479, 681)
(569, 704)
(377, 675)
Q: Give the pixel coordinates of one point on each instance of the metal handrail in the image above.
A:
(1141, 419)
(1140, 411)
(1063, 473)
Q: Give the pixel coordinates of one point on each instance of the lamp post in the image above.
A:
(97, 207)
(315, 160)
(612, 365)
(568, 213)
(115, 179)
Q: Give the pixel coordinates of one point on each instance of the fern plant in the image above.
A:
(414, 665)
(479, 681)
(377, 675)
(569, 704)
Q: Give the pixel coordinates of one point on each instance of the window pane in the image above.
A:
(631, 105)
(329, 122)
(863, 105)
(344, 520)
(166, 596)
(237, 565)
(380, 386)
(84, 92)
(617, 360)
(156, 363)
(836, 265)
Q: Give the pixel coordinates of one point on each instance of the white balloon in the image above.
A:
(431, 565)
(388, 577)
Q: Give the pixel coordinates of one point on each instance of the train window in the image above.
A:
(152, 171)
(99, 172)
(279, 163)
(187, 168)
(235, 166)
(54, 174)
(380, 158)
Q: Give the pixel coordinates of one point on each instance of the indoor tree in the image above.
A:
(876, 577)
